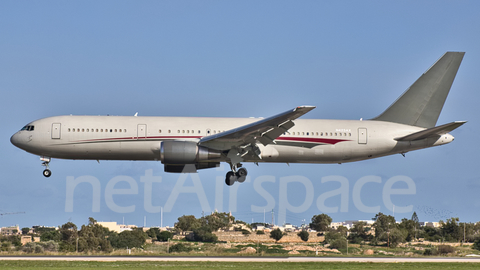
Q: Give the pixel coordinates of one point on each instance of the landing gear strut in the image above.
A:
(46, 161)
(236, 175)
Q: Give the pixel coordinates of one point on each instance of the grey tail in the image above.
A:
(422, 103)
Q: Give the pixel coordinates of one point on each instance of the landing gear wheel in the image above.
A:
(241, 175)
(230, 178)
(47, 173)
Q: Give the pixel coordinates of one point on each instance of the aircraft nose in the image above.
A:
(14, 139)
(20, 140)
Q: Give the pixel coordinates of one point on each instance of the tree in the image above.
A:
(187, 223)
(93, 237)
(320, 222)
(303, 235)
(408, 225)
(25, 231)
(336, 239)
(276, 234)
(382, 225)
(396, 236)
(153, 233)
(164, 236)
(359, 232)
(451, 230)
(128, 239)
(68, 236)
(416, 223)
(51, 235)
(217, 221)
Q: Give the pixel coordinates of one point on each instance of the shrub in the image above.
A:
(179, 248)
(476, 244)
(445, 249)
(303, 235)
(339, 243)
(204, 235)
(245, 232)
(430, 252)
(260, 232)
(276, 234)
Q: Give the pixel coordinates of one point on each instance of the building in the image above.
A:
(113, 226)
(430, 224)
(28, 239)
(12, 230)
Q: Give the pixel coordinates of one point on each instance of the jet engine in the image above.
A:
(176, 154)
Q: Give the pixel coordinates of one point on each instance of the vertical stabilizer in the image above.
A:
(422, 103)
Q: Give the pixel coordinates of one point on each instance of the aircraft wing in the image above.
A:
(264, 131)
(429, 132)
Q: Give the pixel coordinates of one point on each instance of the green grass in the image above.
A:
(4, 265)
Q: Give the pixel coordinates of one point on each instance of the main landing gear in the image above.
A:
(236, 175)
(46, 161)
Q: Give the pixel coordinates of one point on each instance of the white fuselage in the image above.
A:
(139, 138)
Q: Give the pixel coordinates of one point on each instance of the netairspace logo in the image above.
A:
(285, 189)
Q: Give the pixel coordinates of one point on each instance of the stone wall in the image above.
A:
(291, 237)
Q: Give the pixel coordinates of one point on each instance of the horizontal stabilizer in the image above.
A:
(430, 132)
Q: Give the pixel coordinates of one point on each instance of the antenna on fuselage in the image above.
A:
(136, 114)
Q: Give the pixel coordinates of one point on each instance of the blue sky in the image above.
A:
(351, 59)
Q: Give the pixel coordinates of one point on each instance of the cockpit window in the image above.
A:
(28, 128)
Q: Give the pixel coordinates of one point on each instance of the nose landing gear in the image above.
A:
(46, 161)
(236, 175)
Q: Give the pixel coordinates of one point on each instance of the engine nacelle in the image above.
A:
(185, 152)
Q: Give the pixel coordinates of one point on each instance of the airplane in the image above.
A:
(188, 144)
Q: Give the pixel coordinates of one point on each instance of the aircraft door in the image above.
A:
(362, 136)
(141, 132)
(56, 130)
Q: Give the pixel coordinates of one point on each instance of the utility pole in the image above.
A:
(272, 217)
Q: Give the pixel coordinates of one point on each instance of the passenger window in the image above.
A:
(169, 131)
(110, 130)
(115, 130)
(68, 130)
(159, 131)
(96, 130)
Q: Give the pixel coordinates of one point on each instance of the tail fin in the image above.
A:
(422, 103)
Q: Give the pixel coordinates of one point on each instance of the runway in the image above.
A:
(242, 259)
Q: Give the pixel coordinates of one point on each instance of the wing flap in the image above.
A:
(430, 132)
(265, 130)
